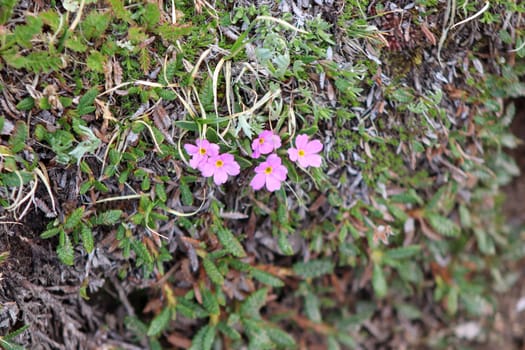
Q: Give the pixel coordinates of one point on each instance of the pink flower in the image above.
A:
(270, 173)
(306, 151)
(201, 152)
(265, 143)
(220, 166)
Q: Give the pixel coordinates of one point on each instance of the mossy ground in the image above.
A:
(395, 242)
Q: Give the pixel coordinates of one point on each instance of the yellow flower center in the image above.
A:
(219, 163)
(268, 170)
(202, 151)
(261, 141)
(301, 153)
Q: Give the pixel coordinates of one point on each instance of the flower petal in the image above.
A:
(226, 158)
(266, 135)
(258, 182)
(259, 169)
(292, 154)
(196, 160)
(280, 172)
(301, 141)
(303, 162)
(232, 168)
(266, 148)
(212, 150)
(273, 160)
(256, 143)
(276, 141)
(272, 184)
(207, 168)
(191, 149)
(220, 176)
(314, 146)
(313, 160)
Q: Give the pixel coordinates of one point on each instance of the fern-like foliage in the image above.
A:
(36, 62)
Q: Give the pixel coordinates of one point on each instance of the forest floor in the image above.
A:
(109, 240)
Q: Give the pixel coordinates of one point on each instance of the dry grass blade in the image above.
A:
(157, 146)
(474, 16)
(281, 22)
(76, 21)
(45, 180)
(448, 21)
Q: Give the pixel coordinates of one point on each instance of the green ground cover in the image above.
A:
(400, 225)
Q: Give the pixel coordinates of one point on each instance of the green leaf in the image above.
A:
(443, 225)
(6, 10)
(398, 213)
(408, 197)
(50, 18)
(452, 300)
(26, 104)
(15, 333)
(313, 268)
(346, 340)
(251, 306)
(187, 125)
(76, 44)
(95, 61)
(228, 331)
(379, 282)
(311, 307)
(50, 233)
(159, 323)
(485, 242)
(88, 145)
(403, 95)
(208, 337)
(85, 104)
(135, 325)
(36, 61)
(292, 172)
(151, 15)
(160, 191)
(284, 244)
(172, 32)
(230, 242)
(185, 192)
(120, 11)
(65, 250)
(86, 186)
(464, 216)
(209, 301)
(309, 131)
(409, 311)
(266, 278)
(259, 339)
(281, 338)
(332, 343)
(95, 24)
(190, 309)
(203, 340)
(17, 141)
(110, 217)
(403, 252)
(87, 238)
(212, 272)
(25, 33)
(167, 95)
(74, 218)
